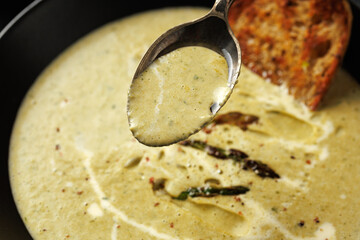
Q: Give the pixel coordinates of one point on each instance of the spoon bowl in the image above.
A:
(211, 31)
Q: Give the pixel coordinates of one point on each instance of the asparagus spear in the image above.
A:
(237, 119)
(211, 192)
(259, 168)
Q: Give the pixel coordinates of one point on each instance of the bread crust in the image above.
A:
(299, 43)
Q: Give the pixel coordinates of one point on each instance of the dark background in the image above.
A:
(9, 9)
(12, 228)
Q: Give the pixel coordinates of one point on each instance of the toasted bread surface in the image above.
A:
(299, 43)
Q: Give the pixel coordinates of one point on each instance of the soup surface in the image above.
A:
(177, 95)
(265, 168)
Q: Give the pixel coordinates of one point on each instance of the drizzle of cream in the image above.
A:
(295, 183)
(114, 230)
(153, 67)
(286, 204)
(262, 217)
(324, 154)
(291, 145)
(63, 103)
(53, 164)
(328, 128)
(69, 184)
(160, 98)
(95, 211)
(281, 100)
(105, 204)
(156, 168)
(325, 231)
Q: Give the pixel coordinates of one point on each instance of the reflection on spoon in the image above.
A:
(178, 89)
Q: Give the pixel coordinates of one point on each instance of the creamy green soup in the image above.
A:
(177, 95)
(265, 168)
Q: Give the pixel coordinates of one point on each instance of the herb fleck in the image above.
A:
(301, 223)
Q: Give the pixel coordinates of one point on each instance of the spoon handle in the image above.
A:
(221, 7)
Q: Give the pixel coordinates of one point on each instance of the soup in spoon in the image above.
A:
(177, 95)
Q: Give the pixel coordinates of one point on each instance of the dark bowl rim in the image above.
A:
(19, 17)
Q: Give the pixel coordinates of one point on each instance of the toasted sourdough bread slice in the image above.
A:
(299, 43)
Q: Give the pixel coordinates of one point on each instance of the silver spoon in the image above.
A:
(211, 31)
